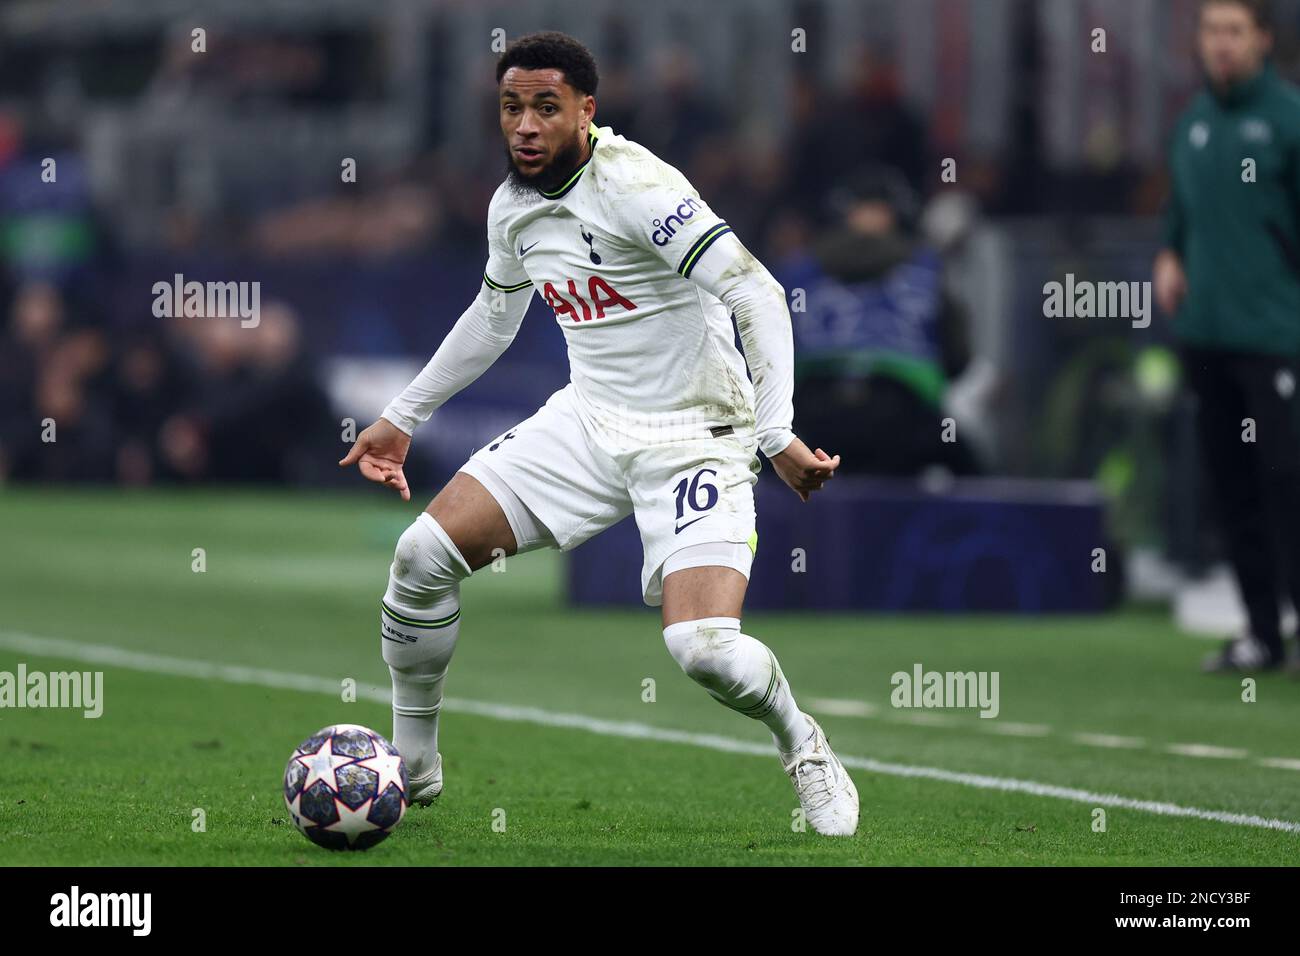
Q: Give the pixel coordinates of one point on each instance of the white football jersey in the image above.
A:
(611, 252)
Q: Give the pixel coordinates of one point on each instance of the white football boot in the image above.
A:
(826, 792)
(426, 787)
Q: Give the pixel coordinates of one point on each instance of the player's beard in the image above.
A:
(549, 178)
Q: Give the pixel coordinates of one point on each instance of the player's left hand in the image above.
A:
(803, 470)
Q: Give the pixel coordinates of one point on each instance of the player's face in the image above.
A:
(544, 121)
(872, 219)
(1232, 45)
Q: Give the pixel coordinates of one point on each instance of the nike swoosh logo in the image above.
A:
(523, 252)
(679, 530)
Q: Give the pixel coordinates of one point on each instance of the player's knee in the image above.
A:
(426, 566)
(704, 649)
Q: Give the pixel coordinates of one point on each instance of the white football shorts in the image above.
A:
(577, 477)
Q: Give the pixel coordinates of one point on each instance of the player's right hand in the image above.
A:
(379, 451)
(803, 470)
(1169, 281)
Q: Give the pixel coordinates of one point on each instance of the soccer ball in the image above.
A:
(346, 787)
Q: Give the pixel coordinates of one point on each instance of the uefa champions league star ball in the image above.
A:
(346, 787)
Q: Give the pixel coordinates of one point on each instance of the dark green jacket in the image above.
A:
(1239, 241)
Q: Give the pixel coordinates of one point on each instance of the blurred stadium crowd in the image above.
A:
(196, 400)
(228, 161)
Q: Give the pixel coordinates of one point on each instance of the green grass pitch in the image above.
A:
(292, 584)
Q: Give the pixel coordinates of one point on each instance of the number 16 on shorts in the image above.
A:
(696, 496)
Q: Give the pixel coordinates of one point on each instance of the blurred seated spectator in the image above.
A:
(204, 399)
(868, 121)
(398, 217)
(259, 413)
(877, 337)
(54, 424)
(151, 379)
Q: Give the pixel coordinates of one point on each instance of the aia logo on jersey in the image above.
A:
(666, 228)
(600, 296)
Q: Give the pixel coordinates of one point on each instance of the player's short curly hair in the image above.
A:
(552, 51)
(1261, 11)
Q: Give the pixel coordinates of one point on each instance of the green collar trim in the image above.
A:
(577, 173)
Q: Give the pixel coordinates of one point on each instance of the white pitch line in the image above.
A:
(1113, 741)
(852, 708)
(924, 719)
(1012, 729)
(1281, 763)
(844, 708)
(1208, 750)
(235, 674)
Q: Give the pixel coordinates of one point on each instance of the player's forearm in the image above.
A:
(757, 300)
(477, 340)
(769, 352)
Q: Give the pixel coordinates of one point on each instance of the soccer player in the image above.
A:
(659, 419)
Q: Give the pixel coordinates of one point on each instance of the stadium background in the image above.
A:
(225, 166)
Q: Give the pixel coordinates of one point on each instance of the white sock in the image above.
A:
(419, 624)
(740, 673)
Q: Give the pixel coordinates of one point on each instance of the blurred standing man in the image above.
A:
(1230, 273)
